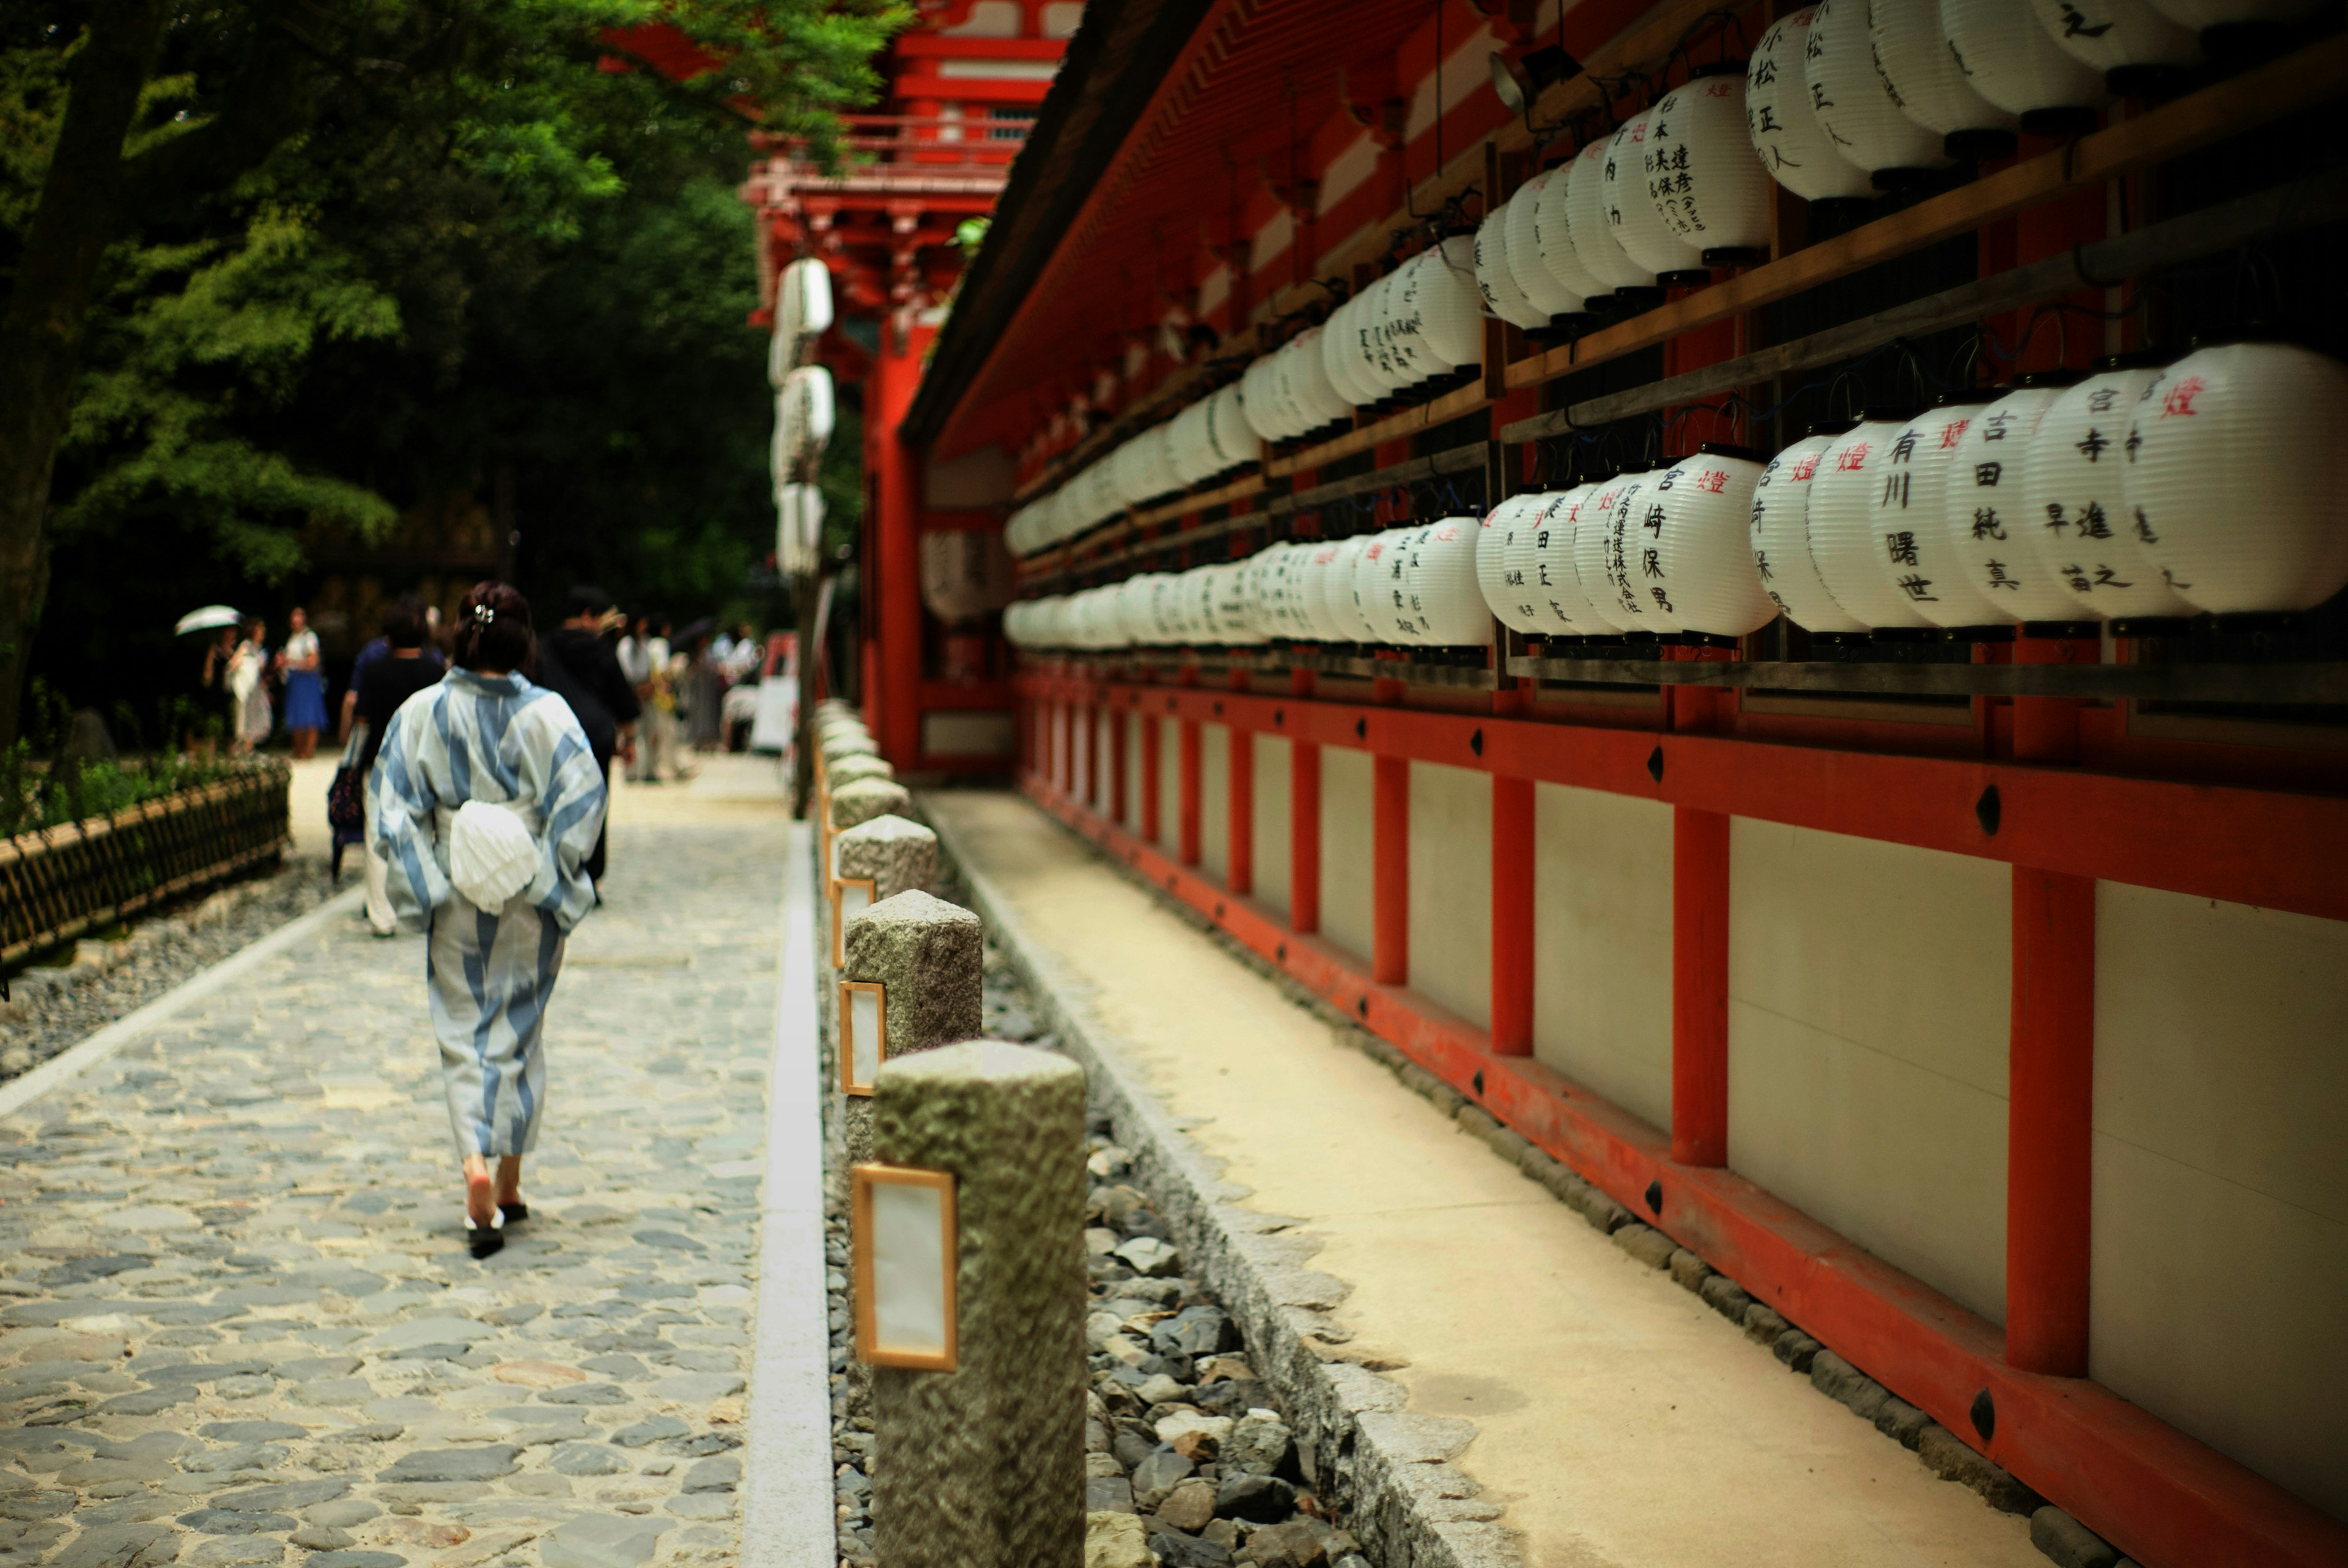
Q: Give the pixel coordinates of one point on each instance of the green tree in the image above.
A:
(249, 249)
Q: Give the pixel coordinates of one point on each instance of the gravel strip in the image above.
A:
(88, 984)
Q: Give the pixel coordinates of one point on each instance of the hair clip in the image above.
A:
(484, 614)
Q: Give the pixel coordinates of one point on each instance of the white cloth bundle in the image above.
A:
(491, 854)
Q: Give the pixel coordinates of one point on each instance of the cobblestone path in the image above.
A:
(238, 1324)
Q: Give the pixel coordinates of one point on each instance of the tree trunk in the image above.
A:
(40, 336)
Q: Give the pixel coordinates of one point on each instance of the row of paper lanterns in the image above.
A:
(2134, 495)
(804, 412)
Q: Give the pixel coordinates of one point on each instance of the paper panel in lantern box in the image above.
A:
(904, 1243)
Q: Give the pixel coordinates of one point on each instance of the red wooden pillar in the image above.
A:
(1116, 766)
(1153, 743)
(1086, 766)
(1699, 987)
(2046, 729)
(1303, 823)
(892, 564)
(1185, 779)
(1390, 871)
(2050, 1123)
(1512, 903)
(1240, 836)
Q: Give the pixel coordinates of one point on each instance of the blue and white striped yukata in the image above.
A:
(495, 738)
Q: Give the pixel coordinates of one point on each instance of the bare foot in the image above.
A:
(508, 1180)
(481, 1201)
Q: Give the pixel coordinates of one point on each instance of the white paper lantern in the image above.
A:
(1503, 586)
(1553, 240)
(1496, 280)
(1339, 611)
(808, 392)
(1593, 552)
(2246, 423)
(1450, 305)
(1134, 620)
(1855, 473)
(1701, 175)
(1560, 601)
(1632, 564)
(2202, 15)
(1698, 524)
(1914, 560)
(2012, 62)
(1548, 293)
(1780, 537)
(1308, 377)
(1443, 593)
(1234, 442)
(2080, 524)
(2138, 49)
(965, 573)
(1930, 86)
(1638, 229)
(1795, 149)
(1376, 588)
(1588, 228)
(1856, 104)
(1986, 510)
(802, 313)
(1234, 627)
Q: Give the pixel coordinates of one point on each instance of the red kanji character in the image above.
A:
(1853, 459)
(1807, 466)
(1713, 479)
(2179, 398)
(1950, 431)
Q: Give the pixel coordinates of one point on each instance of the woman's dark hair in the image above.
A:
(403, 622)
(493, 629)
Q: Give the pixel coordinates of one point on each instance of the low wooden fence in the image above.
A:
(60, 882)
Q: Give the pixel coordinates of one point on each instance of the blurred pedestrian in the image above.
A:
(706, 676)
(248, 685)
(486, 802)
(577, 663)
(378, 647)
(405, 668)
(306, 686)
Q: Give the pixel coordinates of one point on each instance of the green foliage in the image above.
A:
(34, 797)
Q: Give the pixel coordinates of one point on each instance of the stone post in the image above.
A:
(853, 765)
(983, 1467)
(895, 854)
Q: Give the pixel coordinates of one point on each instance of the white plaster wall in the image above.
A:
(1170, 785)
(2219, 1291)
(1347, 807)
(1868, 1016)
(1603, 944)
(1271, 841)
(1215, 801)
(1133, 724)
(1451, 888)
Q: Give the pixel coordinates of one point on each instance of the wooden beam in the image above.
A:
(1442, 410)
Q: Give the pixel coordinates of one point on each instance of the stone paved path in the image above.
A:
(238, 1324)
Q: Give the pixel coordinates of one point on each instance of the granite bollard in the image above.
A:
(892, 853)
(927, 956)
(983, 1466)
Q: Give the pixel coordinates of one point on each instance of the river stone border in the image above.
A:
(1387, 1471)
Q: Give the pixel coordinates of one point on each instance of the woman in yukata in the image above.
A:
(485, 800)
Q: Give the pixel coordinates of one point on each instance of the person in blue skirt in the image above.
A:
(306, 687)
(486, 800)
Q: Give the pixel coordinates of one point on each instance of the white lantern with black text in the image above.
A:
(2076, 499)
(1780, 537)
(1696, 522)
(1634, 597)
(1496, 280)
(1986, 511)
(1593, 552)
(1851, 479)
(1701, 175)
(1553, 241)
(1638, 227)
(1931, 87)
(1914, 560)
(1594, 244)
(1797, 150)
(1540, 284)
(1441, 592)
(1502, 584)
(2233, 476)
(2138, 49)
(1563, 601)
(2012, 62)
(965, 573)
(1856, 103)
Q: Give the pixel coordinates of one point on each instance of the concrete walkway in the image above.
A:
(238, 1324)
(1620, 1423)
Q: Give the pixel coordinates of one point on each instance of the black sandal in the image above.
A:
(485, 1241)
(513, 1213)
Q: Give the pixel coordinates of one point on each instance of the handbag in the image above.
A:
(346, 803)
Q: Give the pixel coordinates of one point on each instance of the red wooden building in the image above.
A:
(1980, 1005)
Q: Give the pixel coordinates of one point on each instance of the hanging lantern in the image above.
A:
(1308, 376)
(1930, 86)
(2141, 53)
(1916, 565)
(1375, 567)
(2011, 61)
(965, 573)
(1638, 227)
(1594, 553)
(2076, 506)
(1234, 628)
(2226, 424)
(1697, 523)
(1599, 253)
(1780, 536)
(1496, 280)
(1855, 104)
(1633, 598)
(1701, 175)
(1441, 593)
(1341, 614)
(1562, 601)
(1796, 150)
(1986, 512)
(1226, 431)
(1854, 475)
(808, 390)
(1553, 240)
(1449, 307)
(1268, 417)
(1502, 585)
(1560, 307)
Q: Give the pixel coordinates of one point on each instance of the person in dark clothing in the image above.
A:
(405, 668)
(576, 662)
